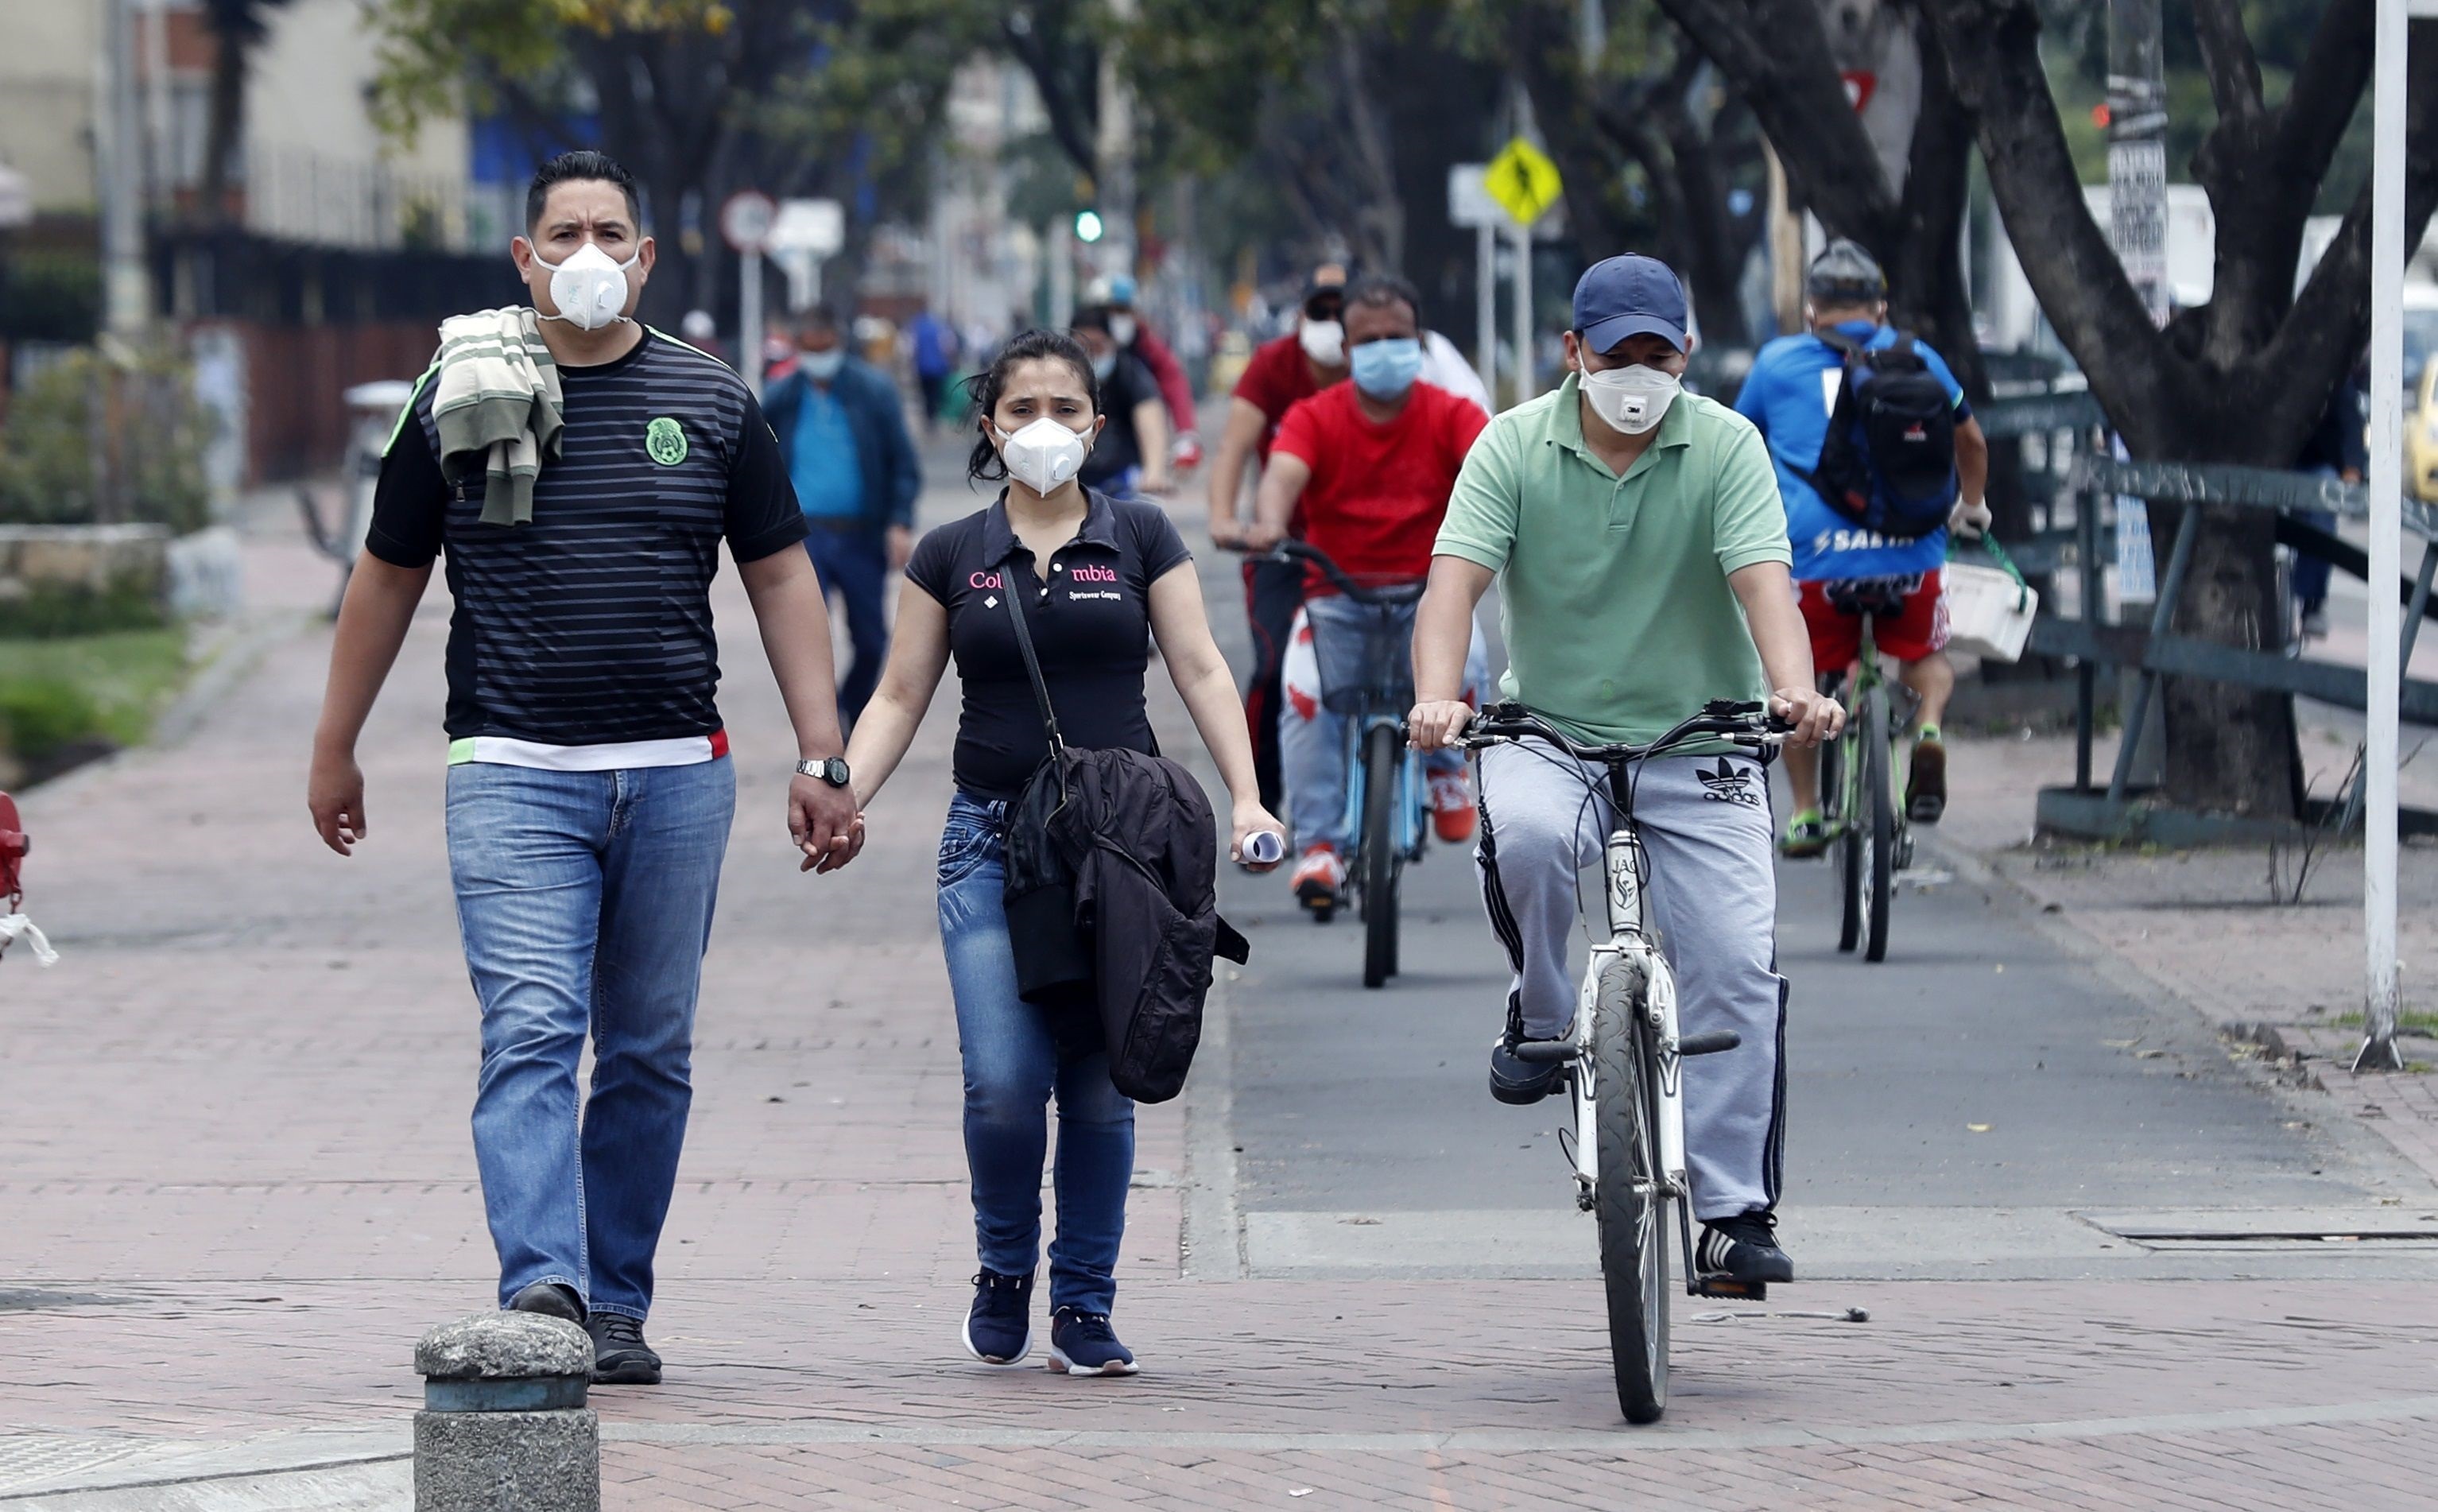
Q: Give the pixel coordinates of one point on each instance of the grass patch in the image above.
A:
(56, 692)
(2406, 1023)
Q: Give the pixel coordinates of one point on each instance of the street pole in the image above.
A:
(2137, 226)
(748, 318)
(2383, 993)
(1485, 305)
(118, 158)
(1525, 385)
(1114, 186)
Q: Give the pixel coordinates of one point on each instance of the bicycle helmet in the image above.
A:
(1846, 275)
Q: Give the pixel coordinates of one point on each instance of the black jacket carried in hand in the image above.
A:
(1112, 899)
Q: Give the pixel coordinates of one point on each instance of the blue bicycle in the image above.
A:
(1367, 672)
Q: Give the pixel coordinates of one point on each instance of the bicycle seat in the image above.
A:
(1872, 595)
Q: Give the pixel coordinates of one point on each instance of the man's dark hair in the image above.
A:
(820, 318)
(581, 167)
(1091, 318)
(985, 387)
(1377, 290)
(1845, 274)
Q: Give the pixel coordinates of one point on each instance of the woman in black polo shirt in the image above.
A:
(1108, 577)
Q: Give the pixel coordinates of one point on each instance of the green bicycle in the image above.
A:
(1865, 825)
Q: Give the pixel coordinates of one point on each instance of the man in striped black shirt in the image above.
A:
(590, 790)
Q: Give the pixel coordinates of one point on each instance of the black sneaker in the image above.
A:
(1512, 1079)
(1082, 1343)
(1741, 1250)
(620, 1356)
(998, 1329)
(551, 1299)
(1926, 785)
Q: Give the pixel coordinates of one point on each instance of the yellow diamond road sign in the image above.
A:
(1523, 180)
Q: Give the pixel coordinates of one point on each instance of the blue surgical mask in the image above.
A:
(1104, 365)
(1385, 369)
(822, 366)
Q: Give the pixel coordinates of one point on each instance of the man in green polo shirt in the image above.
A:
(1641, 548)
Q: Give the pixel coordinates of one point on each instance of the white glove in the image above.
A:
(16, 924)
(1969, 518)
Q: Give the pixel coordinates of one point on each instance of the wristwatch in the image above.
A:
(830, 770)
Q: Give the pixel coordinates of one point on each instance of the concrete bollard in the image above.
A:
(504, 1426)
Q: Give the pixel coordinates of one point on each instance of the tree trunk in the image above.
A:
(2230, 749)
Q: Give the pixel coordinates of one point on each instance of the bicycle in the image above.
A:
(1866, 827)
(1385, 794)
(1623, 1057)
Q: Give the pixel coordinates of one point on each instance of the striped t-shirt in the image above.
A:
(583, 639)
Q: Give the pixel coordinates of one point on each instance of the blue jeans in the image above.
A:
(1312, 738)
(1011, 1069)
(585, 901)
(854, 564)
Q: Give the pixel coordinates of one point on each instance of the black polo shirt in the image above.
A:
(1090, 618)
(591, 623)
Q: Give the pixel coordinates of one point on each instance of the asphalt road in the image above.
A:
(1365, 1140)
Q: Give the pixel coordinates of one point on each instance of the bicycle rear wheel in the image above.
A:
(1379, 856)
(1880, 815)
(1628, 1199)
(1836, 811)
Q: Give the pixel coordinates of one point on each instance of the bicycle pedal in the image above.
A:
(1728, 1287)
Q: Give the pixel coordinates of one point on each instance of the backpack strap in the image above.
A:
(1016, 592)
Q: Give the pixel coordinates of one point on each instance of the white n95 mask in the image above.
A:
(1042, 456)
(589, 289)
(1324, 341)
(1632, 399)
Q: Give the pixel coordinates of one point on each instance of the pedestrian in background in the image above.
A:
(2338, 449)
(1131, 457)
(932, 343)
(1112, 579)
(581, 473)
(1135, 337)
(842, 431)
(1293, 367)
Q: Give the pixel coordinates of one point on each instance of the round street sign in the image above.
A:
(745, 219)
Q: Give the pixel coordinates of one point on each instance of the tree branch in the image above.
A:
(2320, 104)
(1070, 125)
(2227, 58)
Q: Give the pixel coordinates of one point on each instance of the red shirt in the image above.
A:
(1273, 382)
(1378, 492)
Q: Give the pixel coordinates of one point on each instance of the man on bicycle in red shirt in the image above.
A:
(1371, 461)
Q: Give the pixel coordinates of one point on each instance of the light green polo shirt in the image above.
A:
(1614, 594)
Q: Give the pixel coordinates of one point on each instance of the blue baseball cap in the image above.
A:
(1632, 295)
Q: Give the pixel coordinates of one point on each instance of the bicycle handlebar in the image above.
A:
(1398, 593)
(1748, 725)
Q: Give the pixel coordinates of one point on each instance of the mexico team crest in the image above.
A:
(664, 441)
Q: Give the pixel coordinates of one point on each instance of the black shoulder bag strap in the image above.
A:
(1016, 592)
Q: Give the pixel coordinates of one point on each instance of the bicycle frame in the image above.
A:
(1629, 938)
(1408, 805)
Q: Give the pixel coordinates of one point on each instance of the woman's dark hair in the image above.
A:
(570, 168)
(985, 387)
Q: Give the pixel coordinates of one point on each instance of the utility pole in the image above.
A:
(118, 173)
(2383, 993)
(2137, 151)
(1114, 152)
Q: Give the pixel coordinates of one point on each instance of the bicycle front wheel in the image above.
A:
(1630, 1199)
(1836, 811)
(1378, 860)
(1880, 815)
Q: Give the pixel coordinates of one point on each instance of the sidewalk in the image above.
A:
(2282, 980)
(237, 1185)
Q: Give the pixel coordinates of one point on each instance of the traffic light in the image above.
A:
(1088, 226)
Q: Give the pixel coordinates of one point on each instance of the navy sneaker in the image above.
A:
(1513, 1079)
(998, 1329)
(620, 1356)
(1082, 1343)
(1742, 1249)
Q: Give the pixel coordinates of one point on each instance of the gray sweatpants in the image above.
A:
(1713, 896)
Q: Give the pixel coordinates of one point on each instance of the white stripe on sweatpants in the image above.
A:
(1706, 831)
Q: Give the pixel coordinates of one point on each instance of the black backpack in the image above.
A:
(1888, 461)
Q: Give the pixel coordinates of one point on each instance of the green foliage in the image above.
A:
(435, 55)
(49, 296)
(98, 439)
(107, 687)
(50, 611)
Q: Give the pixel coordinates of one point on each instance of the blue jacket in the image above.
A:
(883, 448)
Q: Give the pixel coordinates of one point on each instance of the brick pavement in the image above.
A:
(235, 1185)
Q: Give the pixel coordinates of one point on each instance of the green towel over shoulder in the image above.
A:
(497, 405)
